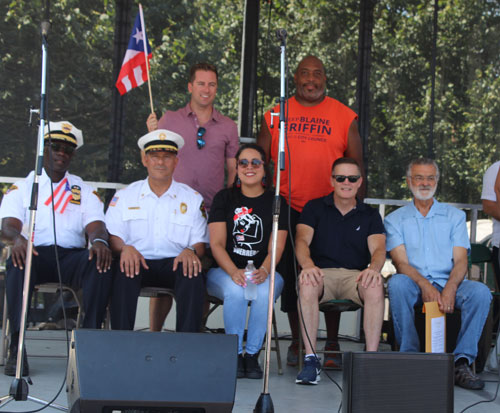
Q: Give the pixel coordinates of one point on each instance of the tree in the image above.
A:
(184, 32)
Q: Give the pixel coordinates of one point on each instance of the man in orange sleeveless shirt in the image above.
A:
(320, 130)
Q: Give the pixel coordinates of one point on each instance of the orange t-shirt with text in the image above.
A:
(317, 136)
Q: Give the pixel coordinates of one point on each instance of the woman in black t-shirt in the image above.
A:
(240, 226)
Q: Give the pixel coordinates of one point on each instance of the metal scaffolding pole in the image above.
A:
(364, 67)
(248, 78)
(122, 31)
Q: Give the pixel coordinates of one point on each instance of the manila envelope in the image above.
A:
(435, 328)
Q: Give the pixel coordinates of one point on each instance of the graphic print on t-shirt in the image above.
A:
(247, 231)
(309, 129)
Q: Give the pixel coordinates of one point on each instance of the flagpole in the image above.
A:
(146, 57)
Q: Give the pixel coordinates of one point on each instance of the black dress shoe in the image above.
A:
(241, 366)
(253, 370)
(10, 364)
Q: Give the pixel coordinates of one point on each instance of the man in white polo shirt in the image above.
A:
(158, 228)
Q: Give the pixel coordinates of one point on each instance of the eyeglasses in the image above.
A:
(421, 178)
(256, 163)
(200, 141)
(61, 147)
(350, 178)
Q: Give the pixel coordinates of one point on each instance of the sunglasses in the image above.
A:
(200, 141)
(60, 147)
(350, 178)
(256, 163)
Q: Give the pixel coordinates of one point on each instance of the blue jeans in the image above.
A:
(221, 285)
(472, 299)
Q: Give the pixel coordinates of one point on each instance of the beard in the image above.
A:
(311, 95)
(417, 192)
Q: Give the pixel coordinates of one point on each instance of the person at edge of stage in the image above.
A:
(76, 211)
(429, 244)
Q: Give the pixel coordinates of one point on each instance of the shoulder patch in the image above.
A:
(12, 188)
(97, 195)
(114, 201)
(77, 195)
(203, 210)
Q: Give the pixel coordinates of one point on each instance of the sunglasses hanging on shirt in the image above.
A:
(200, 141)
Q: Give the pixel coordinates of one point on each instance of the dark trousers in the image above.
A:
(496, 266)
(189, 294)
(76, 271)
(286, 266)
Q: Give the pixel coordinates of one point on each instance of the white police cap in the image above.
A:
(161, 140)
(64, 131)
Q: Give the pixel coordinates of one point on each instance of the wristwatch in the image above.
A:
(192, 249)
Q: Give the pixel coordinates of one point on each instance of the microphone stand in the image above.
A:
(19, 386)
(265, 402)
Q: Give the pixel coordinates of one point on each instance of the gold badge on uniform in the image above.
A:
(162, 136)
(183, 208)
(203, 210)
(77, 195)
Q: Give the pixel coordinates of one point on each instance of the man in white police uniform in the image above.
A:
(78, 212)
(158, 228)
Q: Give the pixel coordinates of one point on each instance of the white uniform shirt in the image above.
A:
(489, 194)
(85, 207)
(158, 227)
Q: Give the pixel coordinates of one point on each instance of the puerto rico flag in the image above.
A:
(62, 195)
(134, 72)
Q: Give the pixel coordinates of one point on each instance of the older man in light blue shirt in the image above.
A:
(429, 244)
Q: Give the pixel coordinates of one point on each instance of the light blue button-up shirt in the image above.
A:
(428, 240)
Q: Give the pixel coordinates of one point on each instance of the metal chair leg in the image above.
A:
(277, 345)
(3, 344)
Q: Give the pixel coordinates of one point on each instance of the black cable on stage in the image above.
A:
(498, 380)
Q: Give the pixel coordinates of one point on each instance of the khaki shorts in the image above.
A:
(340, 284)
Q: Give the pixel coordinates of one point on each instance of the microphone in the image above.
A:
(281, 34)
(45, 26)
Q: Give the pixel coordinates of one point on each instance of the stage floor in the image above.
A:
(48, 375)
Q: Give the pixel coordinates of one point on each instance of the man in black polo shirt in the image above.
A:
(340, 246)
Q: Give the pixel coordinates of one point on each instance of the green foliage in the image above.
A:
(79, 79)
(183, 32)
(466, 102)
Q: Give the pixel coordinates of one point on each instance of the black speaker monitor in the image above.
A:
(151, 372)
(397, 382)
